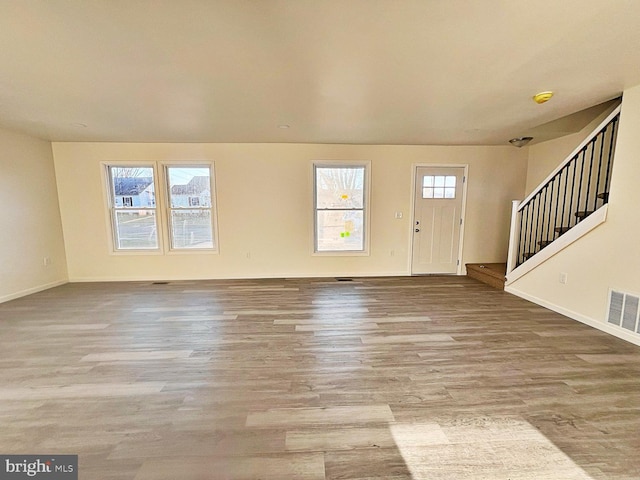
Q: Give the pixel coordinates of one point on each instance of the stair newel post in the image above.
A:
(514, 237)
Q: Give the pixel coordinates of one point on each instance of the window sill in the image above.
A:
(194, 251)
(126, 253)
(341, 253)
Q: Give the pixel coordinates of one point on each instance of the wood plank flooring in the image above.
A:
(378, 378)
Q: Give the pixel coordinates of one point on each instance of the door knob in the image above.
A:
(417, 230)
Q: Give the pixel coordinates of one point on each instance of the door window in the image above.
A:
(439, 186)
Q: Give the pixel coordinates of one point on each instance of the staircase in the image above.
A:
(493, 274)
(570, 199)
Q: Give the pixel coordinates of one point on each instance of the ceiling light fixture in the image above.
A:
(520, 141)
(542, 97)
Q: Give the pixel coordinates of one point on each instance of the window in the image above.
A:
(133, 208)
(439, 186)
(180, 219)
(340, 203)
(190, 212)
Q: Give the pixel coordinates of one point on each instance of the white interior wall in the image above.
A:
(30, 218)
(609, 256)
(546, 156)
(264, 198)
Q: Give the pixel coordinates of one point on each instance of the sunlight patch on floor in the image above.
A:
(484, 448)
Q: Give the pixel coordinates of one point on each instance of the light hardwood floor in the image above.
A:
(381, 378)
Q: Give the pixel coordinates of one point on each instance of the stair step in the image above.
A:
(493, 274)
(562, 230)
(544, 243)
(583, 214)
(604, 196)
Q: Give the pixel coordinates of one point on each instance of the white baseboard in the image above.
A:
(236, 277)
(602, 326)
(29, 291)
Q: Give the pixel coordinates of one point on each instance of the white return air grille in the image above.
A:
(623, 311)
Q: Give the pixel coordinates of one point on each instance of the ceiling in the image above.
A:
(335, 71)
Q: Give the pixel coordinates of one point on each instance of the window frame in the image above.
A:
(110, 198)
(168, 209)
(366, 217)
(162, 208)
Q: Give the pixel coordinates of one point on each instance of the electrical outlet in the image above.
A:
(398, 215)
(46, 261)
(563, 277)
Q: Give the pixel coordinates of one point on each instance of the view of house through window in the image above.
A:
(133, 208)
(190, 207)
(339, 208)
(184, 213)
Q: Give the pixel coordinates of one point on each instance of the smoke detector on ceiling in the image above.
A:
(542, 97)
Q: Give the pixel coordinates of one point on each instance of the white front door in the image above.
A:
(437, 218)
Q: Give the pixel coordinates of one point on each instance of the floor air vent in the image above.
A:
(623, 311)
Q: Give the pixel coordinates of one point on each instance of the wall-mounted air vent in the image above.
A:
(623, 310)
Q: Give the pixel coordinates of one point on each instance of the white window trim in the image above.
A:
(162, 212)
(108, 197)
(366, 207)
(166, 207)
